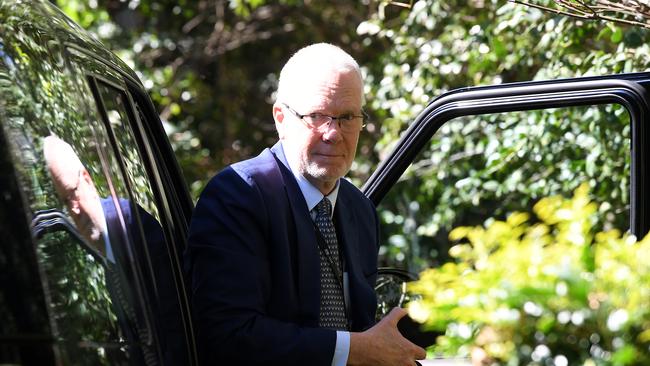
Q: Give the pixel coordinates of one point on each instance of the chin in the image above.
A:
(326, 174)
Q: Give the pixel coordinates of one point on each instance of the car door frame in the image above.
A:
(628, 90)
(164, 174)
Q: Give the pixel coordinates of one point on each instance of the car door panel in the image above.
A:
(397, 184)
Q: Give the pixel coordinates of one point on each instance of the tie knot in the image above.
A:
(324, 208)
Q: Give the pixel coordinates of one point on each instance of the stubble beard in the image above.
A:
(323, 174)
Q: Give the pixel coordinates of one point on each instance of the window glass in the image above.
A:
(482, 167)
(72, 185)
(61, 194)
(150, 244)
(84, 253)
(23, 310)
(116, 104)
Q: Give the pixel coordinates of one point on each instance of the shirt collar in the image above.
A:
(311, 194)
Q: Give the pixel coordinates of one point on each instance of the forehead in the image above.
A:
(328, 91)
(64, 174)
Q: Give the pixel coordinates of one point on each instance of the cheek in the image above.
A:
(301, 142)
(351, 143)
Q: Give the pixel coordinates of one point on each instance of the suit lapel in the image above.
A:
(308, 265)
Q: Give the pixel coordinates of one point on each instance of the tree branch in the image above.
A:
(403, 5)
(545, 8)
(629, 12)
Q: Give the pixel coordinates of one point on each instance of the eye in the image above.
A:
(317, 117)
(346, 117)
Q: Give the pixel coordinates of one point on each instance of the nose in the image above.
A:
(332, 132)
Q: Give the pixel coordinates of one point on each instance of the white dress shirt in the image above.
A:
(312, 197)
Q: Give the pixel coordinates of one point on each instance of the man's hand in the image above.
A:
(384, 345)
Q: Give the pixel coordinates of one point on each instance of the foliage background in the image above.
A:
(565, 297)
(211, 68)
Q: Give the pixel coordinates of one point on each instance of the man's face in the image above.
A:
(322, 157)
(83, 203)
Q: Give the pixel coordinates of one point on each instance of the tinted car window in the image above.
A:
(151, 248)
(37, 101)
(88, 263)
(91, 274)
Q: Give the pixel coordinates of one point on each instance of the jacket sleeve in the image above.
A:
(227, 261)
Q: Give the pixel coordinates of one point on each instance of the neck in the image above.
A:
(324, 187)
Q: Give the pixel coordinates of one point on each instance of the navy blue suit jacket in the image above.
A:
(163, 300)
(254, 266)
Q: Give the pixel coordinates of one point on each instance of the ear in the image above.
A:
(278, 117)
(85, 176)
(87, 185)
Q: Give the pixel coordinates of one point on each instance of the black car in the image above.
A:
(93, 235)
(94, 207)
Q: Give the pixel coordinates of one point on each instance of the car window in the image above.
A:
(89, 261)
(77, 224)
(74, 194)
(152, 247)
(479, 167)
(87, 277)
(86, 295)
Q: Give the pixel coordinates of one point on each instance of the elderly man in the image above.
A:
(283, 252)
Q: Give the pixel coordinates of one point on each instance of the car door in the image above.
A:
(480, 153)
(154, 198)
(95, 210)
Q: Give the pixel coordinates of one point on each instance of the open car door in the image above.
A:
(478, 153)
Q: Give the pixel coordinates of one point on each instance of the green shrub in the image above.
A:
(545, 290)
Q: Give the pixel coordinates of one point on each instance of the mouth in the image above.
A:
(329, 158)
(328, 155)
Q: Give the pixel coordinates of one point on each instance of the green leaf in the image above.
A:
(624, 356)
(617, 36)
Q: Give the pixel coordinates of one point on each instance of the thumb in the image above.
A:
(395, 315)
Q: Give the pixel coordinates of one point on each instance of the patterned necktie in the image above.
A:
(332, 304)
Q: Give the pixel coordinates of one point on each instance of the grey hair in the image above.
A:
(309, 59)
